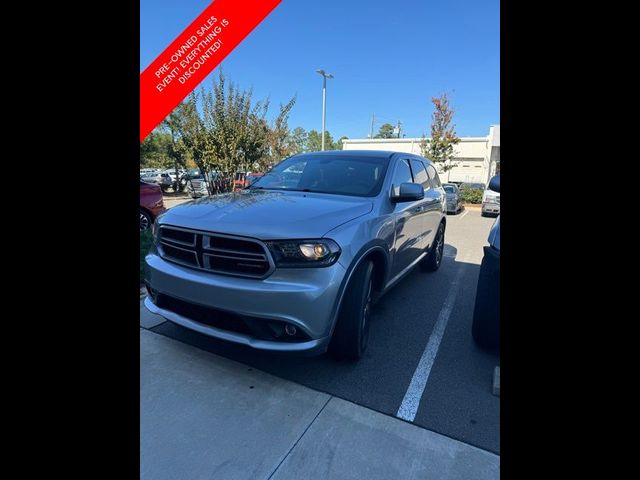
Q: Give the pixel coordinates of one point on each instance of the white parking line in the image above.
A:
(465, 212)
(411, 401)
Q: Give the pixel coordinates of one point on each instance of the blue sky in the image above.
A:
(387, 57)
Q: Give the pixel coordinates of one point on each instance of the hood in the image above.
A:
(268, 214)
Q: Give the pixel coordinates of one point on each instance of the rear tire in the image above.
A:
(434, 257)
(351, 335)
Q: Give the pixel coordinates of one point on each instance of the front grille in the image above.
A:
(198, 313)
(215, 252)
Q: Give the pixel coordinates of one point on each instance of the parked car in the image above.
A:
(151, 204)
(162, 179)
(197, 187)
(188, 175)
(149, 176)
(490, 202)
(246, 180)
(486, 314)
(297, 268)
(454, 201)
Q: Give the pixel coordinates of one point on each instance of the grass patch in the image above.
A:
(145, 244)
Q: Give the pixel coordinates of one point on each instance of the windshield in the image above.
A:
(339, 175)
(449, 189)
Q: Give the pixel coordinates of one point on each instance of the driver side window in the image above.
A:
(402, 174)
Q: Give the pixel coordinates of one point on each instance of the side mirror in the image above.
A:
(494, 184)
(409, 192)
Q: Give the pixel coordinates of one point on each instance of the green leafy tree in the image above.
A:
(154, 150)
(338, 144)
(314, 141)
(386, 131)
(223, 130)
(176, 148)
(298, 139)
(281, 143)
(439, 148)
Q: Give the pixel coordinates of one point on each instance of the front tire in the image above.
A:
(351, 335)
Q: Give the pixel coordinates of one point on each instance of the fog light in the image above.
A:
(290, 330)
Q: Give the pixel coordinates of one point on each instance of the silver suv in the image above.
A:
(295, 262)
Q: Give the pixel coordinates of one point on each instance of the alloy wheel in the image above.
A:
(144, 222)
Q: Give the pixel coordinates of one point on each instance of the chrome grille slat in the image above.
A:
(244, 259)
(260, 256)
(238, 258)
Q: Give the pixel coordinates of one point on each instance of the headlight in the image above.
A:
(155, 229)
(304, 253)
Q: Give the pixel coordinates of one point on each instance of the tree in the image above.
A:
(154, 151)
(298, 139)
(314, 141)
(176, 148)
(338, 144)
(386, 131)
(281, 144)
(222, 129)
(439, 148)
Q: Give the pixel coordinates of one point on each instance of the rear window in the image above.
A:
(420, 174)
(435, 179)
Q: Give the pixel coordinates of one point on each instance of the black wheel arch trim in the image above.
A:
(372, 246)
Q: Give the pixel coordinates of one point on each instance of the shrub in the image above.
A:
(145, 244)
(471, 195)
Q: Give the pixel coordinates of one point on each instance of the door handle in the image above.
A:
(418, 209)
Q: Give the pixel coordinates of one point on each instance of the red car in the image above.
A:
(242, 181)
(151, 204)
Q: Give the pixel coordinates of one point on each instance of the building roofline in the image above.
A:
(406, 140)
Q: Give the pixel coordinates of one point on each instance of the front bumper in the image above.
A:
(490, 207)
(305, 298)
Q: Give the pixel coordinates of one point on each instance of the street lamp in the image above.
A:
(325, 75)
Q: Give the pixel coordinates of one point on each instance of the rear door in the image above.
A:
(426, 204)
(437, 198)
(408, 222)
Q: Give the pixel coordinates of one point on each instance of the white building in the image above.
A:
(477, 159)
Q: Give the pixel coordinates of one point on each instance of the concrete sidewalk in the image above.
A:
(203, 416)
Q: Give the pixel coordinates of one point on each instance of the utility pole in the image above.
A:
(373, 116)
(398, 127)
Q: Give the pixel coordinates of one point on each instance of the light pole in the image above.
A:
(325, 75)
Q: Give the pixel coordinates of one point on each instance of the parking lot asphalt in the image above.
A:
(421, 356)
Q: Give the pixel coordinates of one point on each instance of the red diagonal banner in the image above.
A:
(194, 54)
